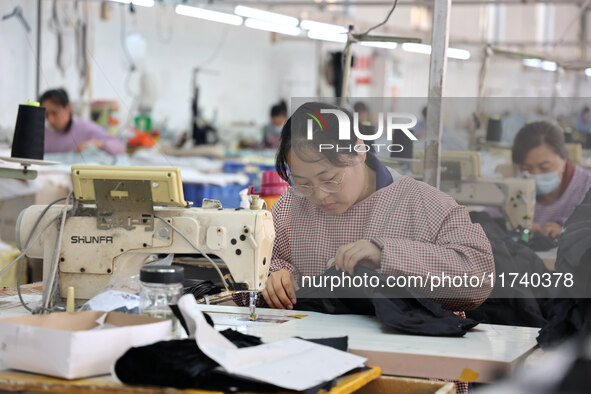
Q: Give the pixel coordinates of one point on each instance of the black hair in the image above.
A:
(535, 134)
(279, 109)
(56, 96)
(586, 109)
(324, 131)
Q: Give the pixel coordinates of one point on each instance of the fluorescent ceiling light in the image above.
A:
(588, 72)
(322, 27)
(380, 44)
(416, 48)
(266, 16)
(538, 63)
(268, 26)
(461, 54)
(209, 15)
(425, 49)
(141, 3)
(324, 36)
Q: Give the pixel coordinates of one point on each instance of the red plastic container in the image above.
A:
(272, 186)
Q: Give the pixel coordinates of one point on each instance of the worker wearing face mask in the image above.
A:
(272, 131)
(539, 152)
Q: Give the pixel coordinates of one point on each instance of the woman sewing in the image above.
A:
(69, 134)
(539, 153)
(349, 207)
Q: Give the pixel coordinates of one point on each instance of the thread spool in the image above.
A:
(494, 130)
(29, 132)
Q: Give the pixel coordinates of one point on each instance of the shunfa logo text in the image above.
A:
(91, 239)
(394, 121)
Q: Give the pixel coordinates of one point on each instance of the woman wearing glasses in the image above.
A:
(346, 207)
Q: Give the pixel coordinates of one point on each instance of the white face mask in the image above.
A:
(48, 126)
(546, 183)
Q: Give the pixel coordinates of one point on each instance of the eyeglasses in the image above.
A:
(326, 186)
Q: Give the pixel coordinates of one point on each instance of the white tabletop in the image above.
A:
(487, 350)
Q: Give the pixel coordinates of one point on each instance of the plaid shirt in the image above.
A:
(420, 230)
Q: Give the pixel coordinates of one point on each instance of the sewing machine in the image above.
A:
(124, 215)
(461, 179)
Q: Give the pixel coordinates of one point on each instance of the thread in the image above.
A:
(29, 133)
(70, 307)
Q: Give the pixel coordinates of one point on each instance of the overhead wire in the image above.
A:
(385, 20)
(37, 60)
(351, 40)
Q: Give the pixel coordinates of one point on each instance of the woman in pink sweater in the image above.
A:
(69, 134)
(343, 204)
(539, 152)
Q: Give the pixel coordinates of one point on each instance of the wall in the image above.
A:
(249, 72)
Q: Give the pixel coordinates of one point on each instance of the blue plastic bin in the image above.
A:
(228, 195)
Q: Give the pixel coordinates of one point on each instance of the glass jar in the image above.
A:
(161, 286)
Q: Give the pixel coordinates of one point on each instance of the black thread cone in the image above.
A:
(29, 133)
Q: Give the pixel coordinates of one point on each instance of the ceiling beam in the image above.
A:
(381, 3)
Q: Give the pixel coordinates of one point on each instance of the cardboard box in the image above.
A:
(67, 345)
(392, 384)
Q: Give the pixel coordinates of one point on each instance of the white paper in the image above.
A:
(101, 323)
(112, 299)
(291, 363)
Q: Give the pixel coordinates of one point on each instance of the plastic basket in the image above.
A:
(228, 195)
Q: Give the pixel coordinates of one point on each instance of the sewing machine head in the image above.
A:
(125, 215)
(461, 178)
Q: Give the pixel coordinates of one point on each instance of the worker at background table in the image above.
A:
(68, 134)
(349, 206)
(539, 153)
(272, 131)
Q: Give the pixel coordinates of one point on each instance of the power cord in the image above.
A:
(28, 243)
(197, 249)
(51, 283)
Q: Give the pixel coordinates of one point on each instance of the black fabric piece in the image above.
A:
(540, 243)
(173, 363)
(199, 287)
(571, 314)
(405, 313)
(566, 317)
(574, 248)
(524, 312)
(181, 364)
(241, 340)
(339, 343)
(510, 305)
